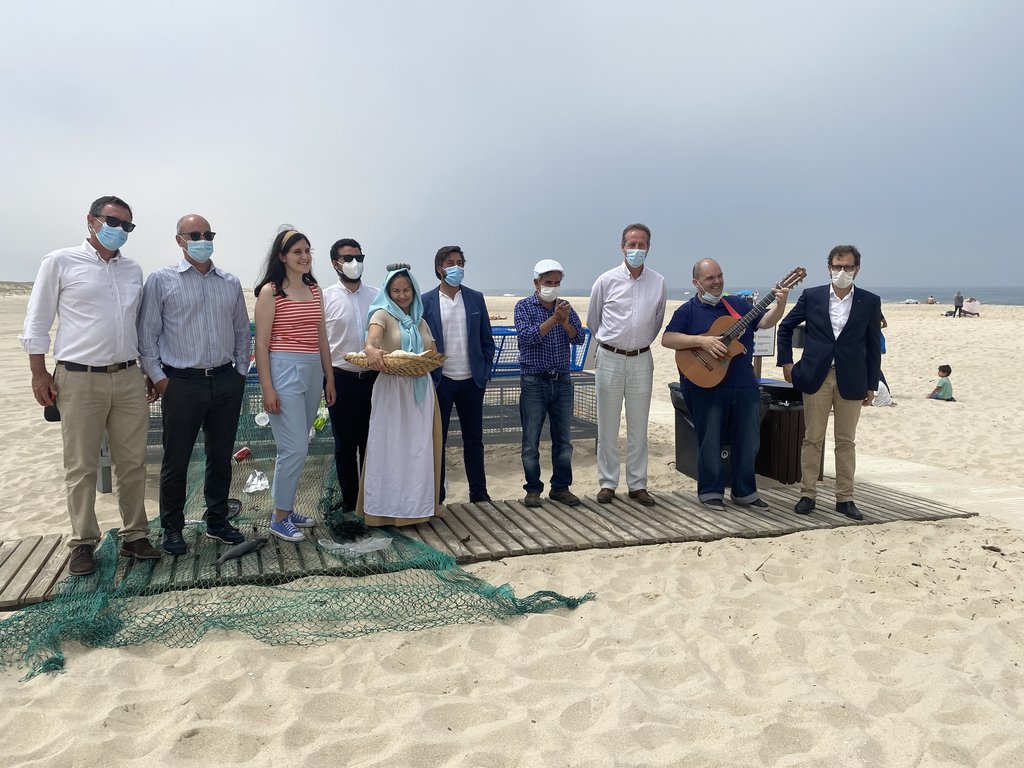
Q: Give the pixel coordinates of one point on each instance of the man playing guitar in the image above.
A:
(730, 409)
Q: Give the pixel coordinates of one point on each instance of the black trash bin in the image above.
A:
(782, 432)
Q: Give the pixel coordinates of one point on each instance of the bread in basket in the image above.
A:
(401, 363)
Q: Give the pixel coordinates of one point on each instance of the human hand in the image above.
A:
(43, 388)
(870, 397)
(787, 372)
(270, 402)
(713, 346)
(781, 294)
(562, 311)
(330, 395)
(375, 359)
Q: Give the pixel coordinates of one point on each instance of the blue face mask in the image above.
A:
(200, 250)
(453, 276)
(110, 237)
(635, 258)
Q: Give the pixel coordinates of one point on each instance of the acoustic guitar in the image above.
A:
(704, 370)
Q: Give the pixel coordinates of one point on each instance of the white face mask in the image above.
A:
(353, 270)
(709, 298)
(842, 279)
(547, 293)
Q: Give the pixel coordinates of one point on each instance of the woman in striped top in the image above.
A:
(293, 360)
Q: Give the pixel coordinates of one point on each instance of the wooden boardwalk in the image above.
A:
(30, 568)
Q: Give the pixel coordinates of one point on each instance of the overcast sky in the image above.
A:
(757, 133)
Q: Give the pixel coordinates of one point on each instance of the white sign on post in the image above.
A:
(764, 342)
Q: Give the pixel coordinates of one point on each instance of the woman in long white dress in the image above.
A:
(401, 474)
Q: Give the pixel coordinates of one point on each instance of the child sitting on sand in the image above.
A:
(943, 389)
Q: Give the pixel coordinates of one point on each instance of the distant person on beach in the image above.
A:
(293, 360)
(943, 389)
(346, 306)
(731, 410)
(458, 319)
(402, 476)
(194, 349)
(95, 292)
(546, 326)
(958, 304)
(931, 300)
(839, 371)
(972, 308)
(627, 309)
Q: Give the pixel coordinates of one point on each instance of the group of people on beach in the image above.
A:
(183, 336)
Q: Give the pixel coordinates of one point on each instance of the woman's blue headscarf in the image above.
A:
(409, 323)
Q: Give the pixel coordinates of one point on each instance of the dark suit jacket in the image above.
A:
(478, 332)
(857, 351)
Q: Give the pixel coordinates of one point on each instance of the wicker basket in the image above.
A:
(402, 363)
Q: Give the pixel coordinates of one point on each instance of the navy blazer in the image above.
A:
(857, 352)
(478, 332)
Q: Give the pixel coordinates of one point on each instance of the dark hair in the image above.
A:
(101, 202)
(843, 250)
(274, 270)
(345, 242)
(641, 227)
(945, 369)
(443, 253)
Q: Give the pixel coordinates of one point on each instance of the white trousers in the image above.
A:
(630, 379)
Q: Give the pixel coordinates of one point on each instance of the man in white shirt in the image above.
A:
(95, 293)
(458, 320)
(627, 308)
(346, 305)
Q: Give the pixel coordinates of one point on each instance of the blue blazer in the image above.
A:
(857, 352)
(478, 332)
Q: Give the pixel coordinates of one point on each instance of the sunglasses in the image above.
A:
(113, 221)
(349, 257)
(195, 236)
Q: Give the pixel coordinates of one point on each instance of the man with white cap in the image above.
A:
(546, 326)
(627, 309)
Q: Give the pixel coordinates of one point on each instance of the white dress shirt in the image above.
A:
(626, 312)
(345, 313)
(96, 303)
(839, 309)
(456, 337)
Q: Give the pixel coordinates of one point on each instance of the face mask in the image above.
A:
(842, 279)
(110, 237)
(353, 270)
(547, 293)
(709, 298)
(635, 258)
(453, 276)
(200, 250)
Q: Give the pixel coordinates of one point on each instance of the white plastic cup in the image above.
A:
(261, 419)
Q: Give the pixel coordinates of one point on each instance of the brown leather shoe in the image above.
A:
(566, 497)
(605, 495)
(532, 499)
(140, 549)
(82, 562)
(641, 496)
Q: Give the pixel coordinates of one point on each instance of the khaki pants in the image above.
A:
(847, 413)
(91, 404)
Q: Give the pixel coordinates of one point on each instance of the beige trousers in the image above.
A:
(91, 404)
(847, 413)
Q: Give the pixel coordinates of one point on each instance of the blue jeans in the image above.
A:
(733, 413)
(542, 397)
(468, 400)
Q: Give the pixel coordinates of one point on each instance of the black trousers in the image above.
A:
(468, 399)
(211, 404)
(350, 422)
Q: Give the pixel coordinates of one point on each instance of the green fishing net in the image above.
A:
(344, 581)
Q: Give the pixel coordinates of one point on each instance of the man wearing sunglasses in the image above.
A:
(458, 319)
(95, 291)
(194, 348)
(346, 305)
(838, 371)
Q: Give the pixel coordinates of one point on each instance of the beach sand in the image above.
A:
(889, 645)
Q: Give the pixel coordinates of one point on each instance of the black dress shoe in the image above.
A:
(714, 503)
(849, 509)
(478, 499)
(805, 506)
(759, 503)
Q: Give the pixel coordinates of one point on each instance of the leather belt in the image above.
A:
(552, 375)
(112, 368)
(197, 373)
(626, 352)
(357, 374)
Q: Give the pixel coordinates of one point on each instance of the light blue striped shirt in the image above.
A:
(192, 320)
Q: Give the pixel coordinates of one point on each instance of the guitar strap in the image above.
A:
(735, 315)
